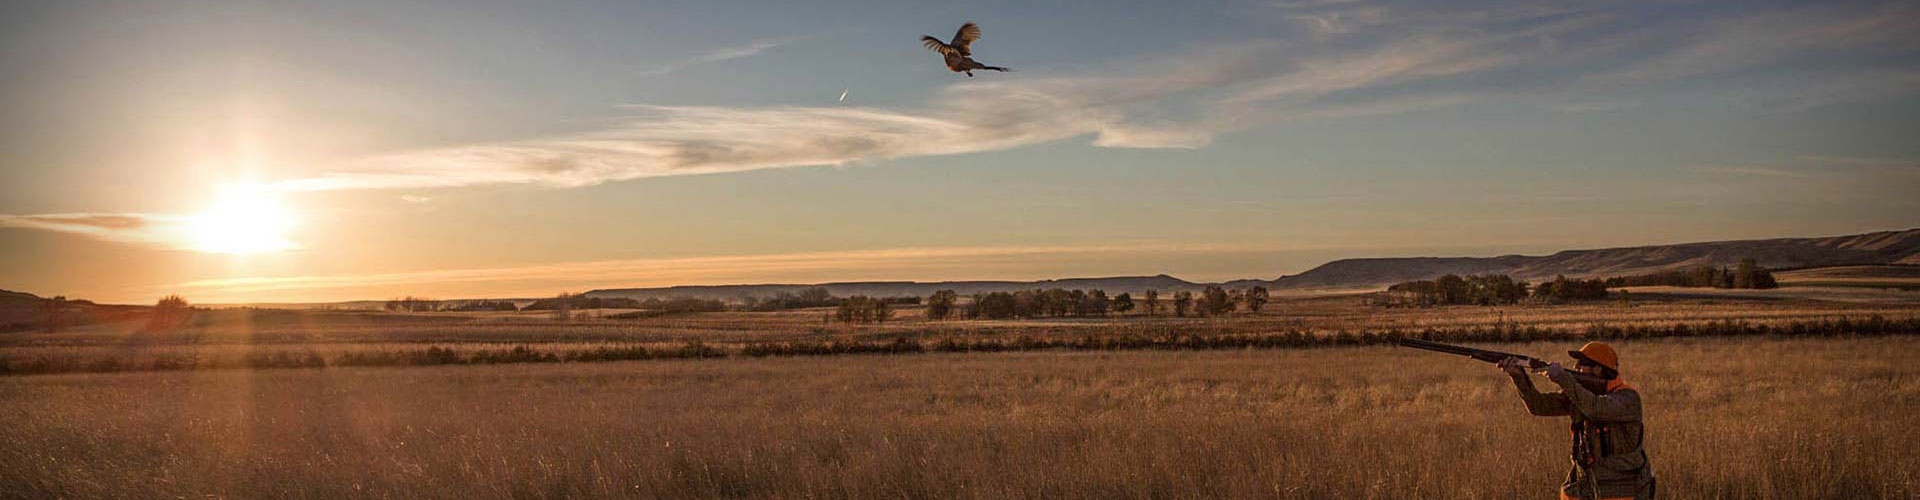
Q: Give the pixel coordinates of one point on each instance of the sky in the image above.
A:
(283, 151)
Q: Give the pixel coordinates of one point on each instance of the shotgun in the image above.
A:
(1593, 383)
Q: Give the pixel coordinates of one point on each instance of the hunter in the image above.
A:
(1609, 460)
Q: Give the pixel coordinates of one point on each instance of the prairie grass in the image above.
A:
(1728, 418)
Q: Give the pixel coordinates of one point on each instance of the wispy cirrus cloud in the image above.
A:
(151, 229)
(1393, 57)
(1750, 171)
(1810, 166)
(1818, 178)
(1342, 21)
(1116, 109)
(1799, 34)
(1597, 106)
(721, 54)
(1860, 161)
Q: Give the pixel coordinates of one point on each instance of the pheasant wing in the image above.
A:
(934, 44)
(963, 40)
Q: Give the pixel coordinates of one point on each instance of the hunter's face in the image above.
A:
(1587, 367)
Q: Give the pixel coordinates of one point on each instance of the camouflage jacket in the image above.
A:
(1607, 436)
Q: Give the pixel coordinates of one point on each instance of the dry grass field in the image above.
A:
(1728, 418)
(293, 338)
(1323, 313)
(1316, 313)
(107, 411)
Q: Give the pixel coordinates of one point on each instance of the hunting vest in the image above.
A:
(1607, 456)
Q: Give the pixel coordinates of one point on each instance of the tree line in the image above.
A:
(1488, 290)
(1500, 289)
(810, 297)
(864, 309)
(419, 304)
(1060, 302)
(813, 297)
(1746, 275)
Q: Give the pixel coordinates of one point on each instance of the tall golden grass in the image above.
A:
(1728, 418)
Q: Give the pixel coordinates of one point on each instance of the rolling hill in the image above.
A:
(21, 311)
(1886, 247)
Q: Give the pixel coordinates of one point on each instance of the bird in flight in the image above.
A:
(959, 52)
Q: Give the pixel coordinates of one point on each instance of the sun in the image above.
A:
(245, 218)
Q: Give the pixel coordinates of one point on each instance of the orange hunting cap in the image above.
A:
(1598, 352)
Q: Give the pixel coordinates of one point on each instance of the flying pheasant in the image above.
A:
(959, 55)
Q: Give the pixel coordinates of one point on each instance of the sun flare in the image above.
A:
(244, 219)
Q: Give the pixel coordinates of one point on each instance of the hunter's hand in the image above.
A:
(1555, 372)
(1513, 366)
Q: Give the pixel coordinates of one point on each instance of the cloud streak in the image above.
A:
(1749, 171)
(1115, 109)
(721, 54)
(1393, 58)
(1763, 38)
(148, 229)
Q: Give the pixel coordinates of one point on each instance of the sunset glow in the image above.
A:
(632, 144)
(876, 249)
(245, 218)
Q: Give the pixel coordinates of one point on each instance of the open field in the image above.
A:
(1648, 306)
(283, 338)
(1809, 394)
(1727, 418)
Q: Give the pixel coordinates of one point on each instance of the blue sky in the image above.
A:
(462, 149)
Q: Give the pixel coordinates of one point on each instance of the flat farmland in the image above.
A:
(1728, 418)
(1315, 313)
(265, 338)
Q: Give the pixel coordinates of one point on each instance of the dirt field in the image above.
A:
(1728, 419)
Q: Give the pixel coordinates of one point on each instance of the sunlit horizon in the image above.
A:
(244, 218)
(293, 142)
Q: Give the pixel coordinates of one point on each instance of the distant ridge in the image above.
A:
(21, 311)
(1885, 247)
(1134, 284)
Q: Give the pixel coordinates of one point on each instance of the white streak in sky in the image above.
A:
(721, 54)
(150, 229)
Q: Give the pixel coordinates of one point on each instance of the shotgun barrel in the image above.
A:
(1593, 383)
